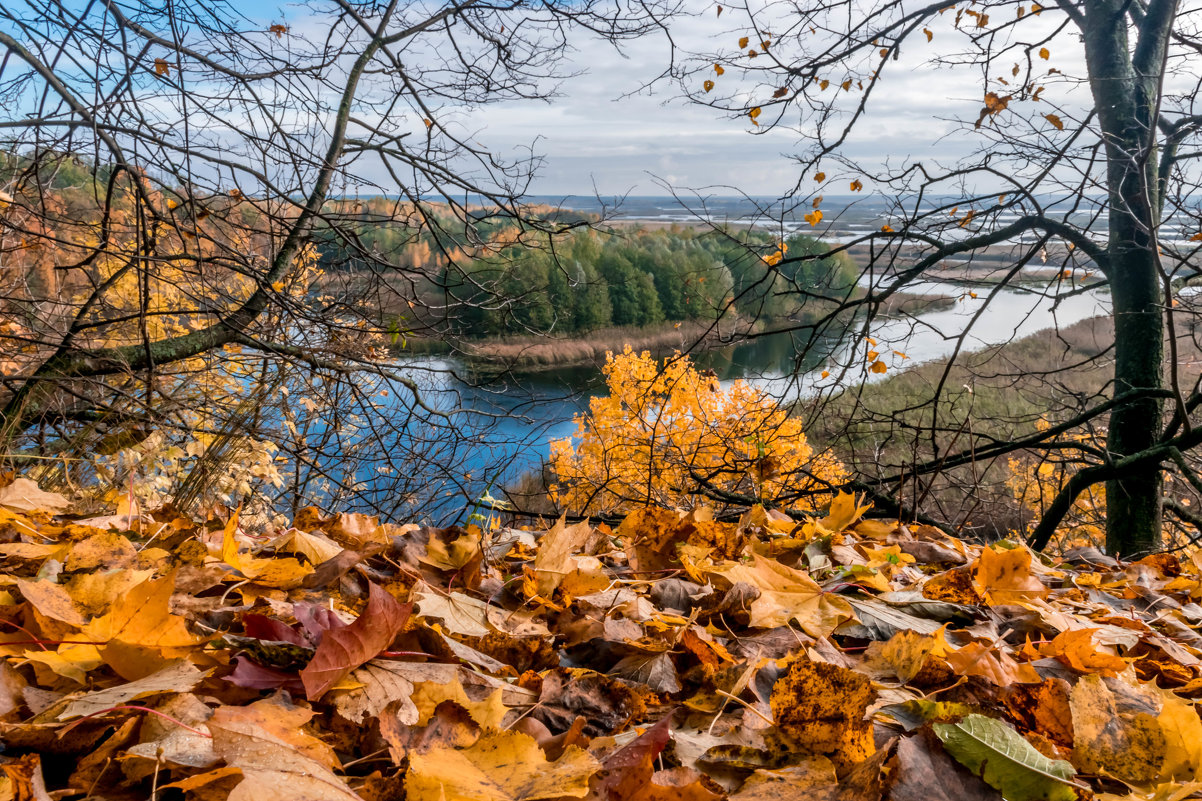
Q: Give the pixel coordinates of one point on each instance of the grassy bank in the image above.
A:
(1000, 393)
(536, 353)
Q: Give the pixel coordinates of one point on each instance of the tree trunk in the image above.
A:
(1133, 501)
(1125, 83)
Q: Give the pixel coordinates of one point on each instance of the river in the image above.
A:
(530, 410)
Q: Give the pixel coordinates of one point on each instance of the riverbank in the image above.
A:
(532, 354)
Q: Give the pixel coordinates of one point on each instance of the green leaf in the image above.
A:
(1007, 762)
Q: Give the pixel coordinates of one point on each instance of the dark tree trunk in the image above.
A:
(1125, 82)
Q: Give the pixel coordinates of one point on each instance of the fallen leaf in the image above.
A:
(502, 766)
(341, 650)
(998, 754)
(24, 495)
(822, 707)
(177, 676)
(787, 594)
(279, 762)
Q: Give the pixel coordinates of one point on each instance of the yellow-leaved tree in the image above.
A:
(1036, 480)
(670, 436)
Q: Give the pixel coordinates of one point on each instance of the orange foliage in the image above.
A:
(668, 435)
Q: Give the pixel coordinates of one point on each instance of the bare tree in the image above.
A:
(1080, 152)
(175, 175)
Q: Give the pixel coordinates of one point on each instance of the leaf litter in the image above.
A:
(671, 657)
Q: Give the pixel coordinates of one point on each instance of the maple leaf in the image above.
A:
(343, 649)
(559, 560)
(1003, 575)
(1076, 649)
(502, 766)
(787, 594)
(140, 634)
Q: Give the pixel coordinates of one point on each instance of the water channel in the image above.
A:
(533, 409)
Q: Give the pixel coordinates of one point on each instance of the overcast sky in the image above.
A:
(603, 132)
(598, 133)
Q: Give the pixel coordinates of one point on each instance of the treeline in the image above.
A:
(633, 277)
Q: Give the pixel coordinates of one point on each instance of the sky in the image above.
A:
(606, 132)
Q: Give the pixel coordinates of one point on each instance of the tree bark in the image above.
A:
(1126, 87)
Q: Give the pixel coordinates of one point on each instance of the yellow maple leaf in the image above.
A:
(501, 766)
(786, 594)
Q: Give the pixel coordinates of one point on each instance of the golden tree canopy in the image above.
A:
(671, 436)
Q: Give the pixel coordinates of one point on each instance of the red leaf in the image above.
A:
(629, 769)
(341, 650)
(265, 628)
(316, 620)
(254, 676)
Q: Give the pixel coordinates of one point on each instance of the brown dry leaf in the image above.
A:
(811, 779)
(679, 784)
(314, 546)
(164, 740)
(51, 600)
(608, 704)
(990, 662)
(213, 785)
(341, 650)
(356, 531)
(455, 555)
(380, 684)
(907, 651)
(559, 560)
(107, 550)
(1003, 576)
(427, 695)
(1042, 708)
(450, 726)
(924, 772)
(1076, 649)
(274, 720)
(459, 613)
(1131, 748)
(502, 766)
(787, 594)
(278, 761)
(24, 495)
(625, 772)
(177, 676)
(821, 707)
(650, 536)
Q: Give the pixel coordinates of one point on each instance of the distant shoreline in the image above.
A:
(534, 354)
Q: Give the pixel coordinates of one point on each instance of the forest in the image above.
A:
(595, 277)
